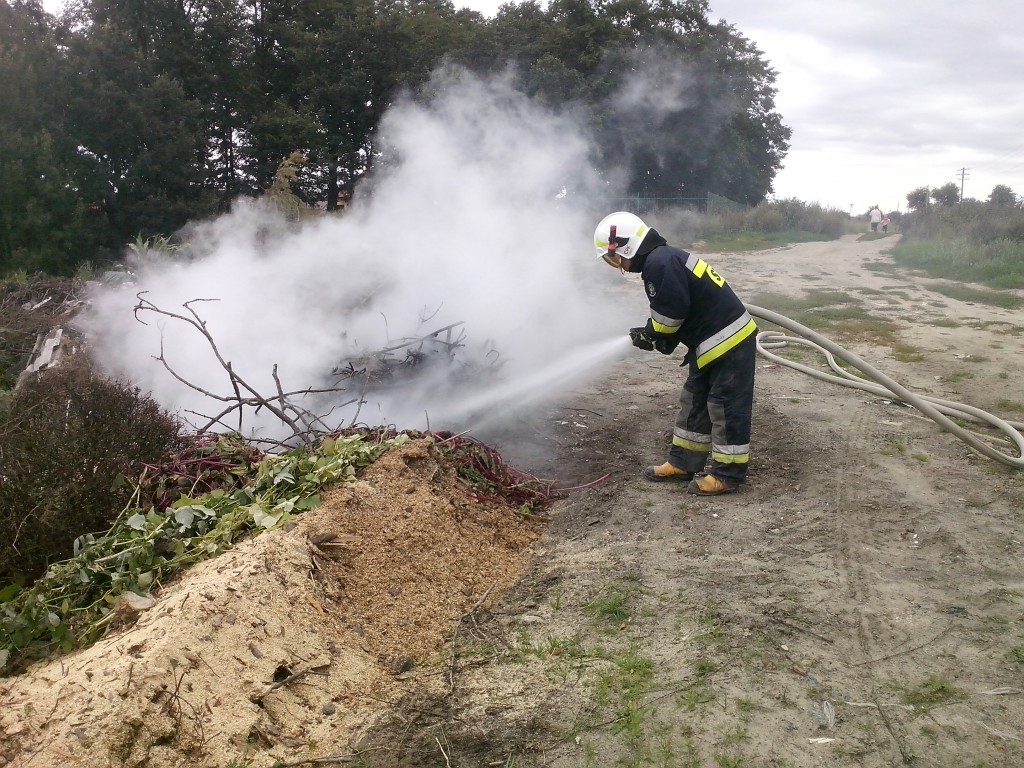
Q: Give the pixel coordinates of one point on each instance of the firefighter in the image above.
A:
(691, 304)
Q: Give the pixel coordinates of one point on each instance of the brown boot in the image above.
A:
(709, 485)
(666, 473)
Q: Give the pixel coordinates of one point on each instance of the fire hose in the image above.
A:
(879, 383)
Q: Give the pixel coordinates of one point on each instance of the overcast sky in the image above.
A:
(884, 98)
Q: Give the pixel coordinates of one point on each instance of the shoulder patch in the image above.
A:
(651, 290)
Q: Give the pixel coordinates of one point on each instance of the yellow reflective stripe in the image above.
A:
(641, 231)
(664, 321)
(730, 458)
(724, 346)
(690, 445)
(731, 450)
(693, 437)
(699, 267)
(662, 328)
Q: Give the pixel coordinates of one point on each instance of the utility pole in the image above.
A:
(963, 174)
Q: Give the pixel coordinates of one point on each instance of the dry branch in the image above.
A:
(306, 427)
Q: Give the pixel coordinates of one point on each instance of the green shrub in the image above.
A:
(66, 437)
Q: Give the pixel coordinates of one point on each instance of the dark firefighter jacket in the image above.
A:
(692, 304)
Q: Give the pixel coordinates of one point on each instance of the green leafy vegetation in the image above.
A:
(73, 603)
(193, 504)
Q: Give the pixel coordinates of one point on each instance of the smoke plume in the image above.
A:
(468, 226)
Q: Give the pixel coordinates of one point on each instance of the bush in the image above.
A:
(67, 440)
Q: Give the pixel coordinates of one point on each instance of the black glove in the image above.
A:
(666, 345)
(640, 340)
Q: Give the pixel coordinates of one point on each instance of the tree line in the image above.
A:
(1002, 197)
(124, 119)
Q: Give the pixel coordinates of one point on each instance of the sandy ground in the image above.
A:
(858, 603)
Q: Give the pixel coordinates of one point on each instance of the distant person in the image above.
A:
(875, 216)
(885, 223)
(692, 305)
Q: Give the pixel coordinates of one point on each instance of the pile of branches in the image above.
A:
(27, 309)
(398, 363)
(413, 356)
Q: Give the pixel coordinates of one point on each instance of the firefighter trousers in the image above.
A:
(715, 410)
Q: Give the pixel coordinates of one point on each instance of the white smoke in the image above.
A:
(470, 225)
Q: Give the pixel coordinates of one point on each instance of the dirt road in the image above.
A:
(859, 603)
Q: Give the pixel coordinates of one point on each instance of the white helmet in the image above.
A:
(619, 234)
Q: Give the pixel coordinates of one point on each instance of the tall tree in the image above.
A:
(44, 221)
(1002, 197)
(947, 194)
(679, 106)
(142, 132)
(917, 199)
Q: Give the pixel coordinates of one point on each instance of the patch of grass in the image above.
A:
(746, 707)
(956, 376)
(704, 667)
(696, 695)
(906, 353)
(1003, 595)
(978, 296)
(1016, 655)
(868, 329)
(921, 457)
(835, 311)
(737, 734)
(814, 299)
(712, 628)
(623, 688)
(612, 605)
(728, 761)
(933, 691)
(1009, 405)
(896, 446)
(898, 293)
(881, 266)
(986, 252)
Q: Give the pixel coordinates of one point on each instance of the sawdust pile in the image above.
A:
(290, 645)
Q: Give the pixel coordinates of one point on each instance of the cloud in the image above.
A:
(465, 228)
(884, 98)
